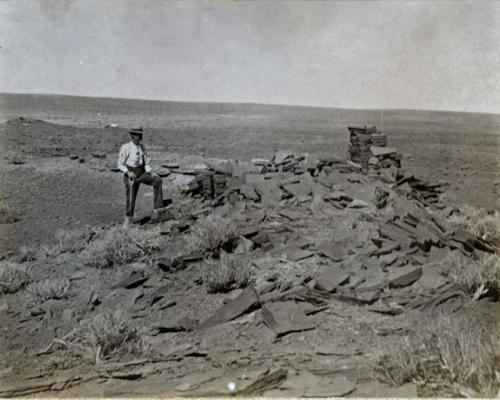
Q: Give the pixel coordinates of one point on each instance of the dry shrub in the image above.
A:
(66, 241)
(102, 336)
(475, 277)
(227, 273)
(49, 289)
(211, 234)
(452, 354)
(483, 223)
(119, 245)
(73, 240)
(13, 277)
(28, 253)
(32, 252)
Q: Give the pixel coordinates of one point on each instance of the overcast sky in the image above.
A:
(417, 55)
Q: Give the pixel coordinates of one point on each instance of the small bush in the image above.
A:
(73, 240)
(66, 241)
(227, 273)
(450, 353)
(211, 234)
(103, 336)
(483, 223)
(49, 289)
(475, 277)
(120, 245)
(13, 277)
(28, 253)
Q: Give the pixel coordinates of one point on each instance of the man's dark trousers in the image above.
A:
(132, 188)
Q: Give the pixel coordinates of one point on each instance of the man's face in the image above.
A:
(136, 139)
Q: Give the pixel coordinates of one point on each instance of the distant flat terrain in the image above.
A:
(458, 148)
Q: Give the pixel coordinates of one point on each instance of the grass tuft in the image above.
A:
(119, 245)
(13, 277)
(102, 336)
(49, 289)
(73, 240)
(483, 223)
(474, 277)
(28, 253)
(211, 234)
(451, 354)
(227, 273)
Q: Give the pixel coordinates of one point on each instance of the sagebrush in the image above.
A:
(475, 277)
(74, 240)
(119, 245)
(13, 277)
(226, 273)
(446, 355)
(481, 222)
(28, 253)
(102, 336)
(211, 234)
(47, 289)
(65, 241)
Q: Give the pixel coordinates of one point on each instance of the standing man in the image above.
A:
(134, 162)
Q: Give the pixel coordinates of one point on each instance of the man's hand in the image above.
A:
(130, 175)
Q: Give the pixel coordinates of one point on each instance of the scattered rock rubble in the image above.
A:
(387, 258)
(318, 230)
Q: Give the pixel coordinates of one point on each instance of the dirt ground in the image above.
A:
(50, 191)
(42, 190)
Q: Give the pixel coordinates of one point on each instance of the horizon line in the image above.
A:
(248, 103)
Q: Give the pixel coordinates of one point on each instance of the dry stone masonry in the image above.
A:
(368, 147)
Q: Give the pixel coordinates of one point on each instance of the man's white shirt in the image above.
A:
(133, 156)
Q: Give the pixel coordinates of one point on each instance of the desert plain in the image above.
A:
(303, 294)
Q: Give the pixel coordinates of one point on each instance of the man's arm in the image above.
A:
(122, 159)
(147, 161)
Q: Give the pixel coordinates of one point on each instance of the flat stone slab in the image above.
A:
(299, 254)
(306, 384)
(281, 156)
(285, 317)
(371, 284)
(330, 277)
(337, 196)
(158, 293)
(404, 276)
(249, 192)
(337, 386)
(337, 251)
(134, 280)
(357, 203)
(233, 309)
(260, 161)
(269, 191)
(297, 189)
(244, 246)
(359, 298)
(290, 294)
(431, 278)
(388, 259)
(378, 151)
(291, 215)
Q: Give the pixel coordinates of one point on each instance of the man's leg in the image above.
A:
(133, 196)
(128, 206)
(156, 182)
